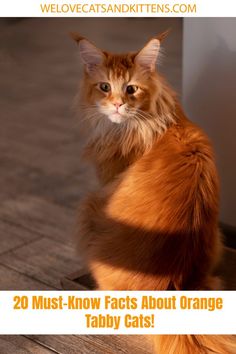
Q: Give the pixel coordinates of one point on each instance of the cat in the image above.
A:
(153, 222)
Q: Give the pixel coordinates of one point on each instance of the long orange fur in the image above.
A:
(153, 223)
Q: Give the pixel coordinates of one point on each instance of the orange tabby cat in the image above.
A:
(152, 225)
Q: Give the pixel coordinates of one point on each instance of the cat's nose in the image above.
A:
(117, 105)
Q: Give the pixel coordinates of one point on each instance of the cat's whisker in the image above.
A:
(144, 114)
(88, 117)
(139, 115)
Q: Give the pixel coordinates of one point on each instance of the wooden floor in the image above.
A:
(41, 176)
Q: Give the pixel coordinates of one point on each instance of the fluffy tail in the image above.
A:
(194, 344)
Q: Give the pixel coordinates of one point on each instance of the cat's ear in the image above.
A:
(147, 56)
(90, 55)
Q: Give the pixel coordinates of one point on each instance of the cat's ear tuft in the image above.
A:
(147, 57)
(163, 35)
(90, 55)
(76, 37)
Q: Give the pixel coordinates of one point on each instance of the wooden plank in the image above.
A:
(21, 179)
(40, 217)
(96, 344)
(13, 280)
(45, 260)
(21, 345)
(12, 236)
(122, 344)
(69, 344)
(63, 160)
(23, 153)
(78, 280)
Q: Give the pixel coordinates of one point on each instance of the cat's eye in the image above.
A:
(130, 89)
(105, 86)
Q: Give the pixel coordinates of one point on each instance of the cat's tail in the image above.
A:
(194, 344)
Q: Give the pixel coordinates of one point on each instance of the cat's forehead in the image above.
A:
(116, 68)
(119, 62)
(119, 67)
(118, 76)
